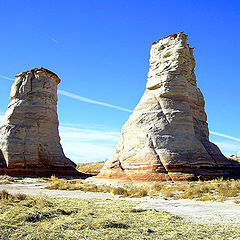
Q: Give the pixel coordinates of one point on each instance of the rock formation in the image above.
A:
(29, 138)
(166, 137)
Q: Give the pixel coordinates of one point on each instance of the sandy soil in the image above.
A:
(197, 211)
(190, 210)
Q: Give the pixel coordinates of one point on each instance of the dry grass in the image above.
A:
(215, 190)
(49, 218)
(5, 179)
(90, 168)
(5, 196)
(234, 159)
(64, 184)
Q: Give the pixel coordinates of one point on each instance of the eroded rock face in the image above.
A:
(29, 138)
(167, 137)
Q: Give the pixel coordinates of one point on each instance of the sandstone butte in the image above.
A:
(29, 137)
(166, 138)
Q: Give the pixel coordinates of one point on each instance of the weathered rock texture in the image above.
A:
(167, 137)
(29, 138)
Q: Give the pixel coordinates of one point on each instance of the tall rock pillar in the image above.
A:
(166, 137)
(29, 138)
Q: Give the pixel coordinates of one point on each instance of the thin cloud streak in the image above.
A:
(88, 100)
(225, 136)
(7, 78)
(81, 134)
(83, 99)
(51, 38)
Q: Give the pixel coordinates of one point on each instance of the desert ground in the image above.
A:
(202, 212)
(36, 208)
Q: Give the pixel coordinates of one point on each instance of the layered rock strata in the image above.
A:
(166, 137)
(29, 138)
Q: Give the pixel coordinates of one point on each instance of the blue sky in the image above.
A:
(100, 50)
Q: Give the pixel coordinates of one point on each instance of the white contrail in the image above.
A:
(88, 100)
(4, 77)
(53, 39)
(83, 99)
(224, 135)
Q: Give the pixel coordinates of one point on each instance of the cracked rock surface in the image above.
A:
(167, 137)
(29, 138)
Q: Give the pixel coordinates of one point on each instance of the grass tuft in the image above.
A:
(5, 196)
(114, 224)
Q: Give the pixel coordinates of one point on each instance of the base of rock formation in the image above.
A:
(41, 172)
(120, 177)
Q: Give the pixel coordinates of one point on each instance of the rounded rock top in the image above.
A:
(178, 36)
(41, 69)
